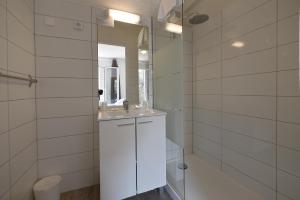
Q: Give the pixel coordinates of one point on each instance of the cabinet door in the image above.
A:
(117, 159)
(151, 153)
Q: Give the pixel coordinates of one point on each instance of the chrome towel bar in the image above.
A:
(30, 79)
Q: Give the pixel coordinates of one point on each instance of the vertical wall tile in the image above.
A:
(61, 127)
(64, 107)
(63, 9)
(256, 18)
(22, 11)
(288, 135)
(3, 53)
(289, 109)
(19, 34)
(288, 30)
(287, 8)
(64, 146)
(63, 48)
(22, 163)
(257, 62)
(23, 188)
(256, 106)
(234, 10)
(4, 148)
(3, 117)
(257, 40)
(288, 185)
(4, 179)
(288, 83)
(20, 112)
(254, 148)
(260, 172)
(289, 160)
(288, 56)
(25, 62)
(2, 22)
(62, 67)
(65, 164)
(262, 129)
(21, 137)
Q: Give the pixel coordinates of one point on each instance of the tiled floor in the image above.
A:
(92, 193)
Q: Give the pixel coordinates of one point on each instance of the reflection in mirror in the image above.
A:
(123, 64)
(112, 65)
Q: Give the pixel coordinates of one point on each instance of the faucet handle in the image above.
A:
(126, 104)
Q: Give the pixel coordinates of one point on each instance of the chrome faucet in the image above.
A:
(126, 105)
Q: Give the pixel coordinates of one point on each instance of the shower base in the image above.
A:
(205, 182)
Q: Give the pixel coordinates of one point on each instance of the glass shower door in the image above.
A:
(168, 96)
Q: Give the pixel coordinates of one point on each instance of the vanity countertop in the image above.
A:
(107, 115)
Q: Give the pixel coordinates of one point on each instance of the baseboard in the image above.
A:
(172, 192)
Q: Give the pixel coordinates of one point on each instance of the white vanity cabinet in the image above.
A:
(151, 153)
(117, 159)
(132, 156)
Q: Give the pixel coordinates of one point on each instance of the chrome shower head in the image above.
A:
(198, 19)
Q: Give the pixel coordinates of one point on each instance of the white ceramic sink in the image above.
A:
(123, 114)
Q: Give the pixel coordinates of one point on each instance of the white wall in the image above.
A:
(18, 159)
(67, 99)
(246, 108)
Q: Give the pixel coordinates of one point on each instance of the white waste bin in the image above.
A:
(47, 188)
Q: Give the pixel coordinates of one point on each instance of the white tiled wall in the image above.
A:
(18, 146)
(66, 95)
(247, 105)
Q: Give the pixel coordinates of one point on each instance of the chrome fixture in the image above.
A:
(198, 19)
(126, 105)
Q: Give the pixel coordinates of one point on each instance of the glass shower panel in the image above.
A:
(168, 95)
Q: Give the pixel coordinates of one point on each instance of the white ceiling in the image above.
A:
(142, 7)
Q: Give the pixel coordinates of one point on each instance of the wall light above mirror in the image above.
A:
(123, 16)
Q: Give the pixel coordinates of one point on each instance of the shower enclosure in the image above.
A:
(245, 99)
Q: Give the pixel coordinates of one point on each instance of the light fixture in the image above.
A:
(238, 44)
(123, 16)
(174, 28)
(144, 52)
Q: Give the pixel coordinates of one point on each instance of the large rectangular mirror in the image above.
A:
(123, 64)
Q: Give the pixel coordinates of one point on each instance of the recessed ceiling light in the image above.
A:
(238, 44)
(123, 16)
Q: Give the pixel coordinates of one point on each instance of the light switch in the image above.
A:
(49, 21)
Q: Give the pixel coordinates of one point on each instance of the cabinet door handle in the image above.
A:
(146, 122)
(129, 124)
